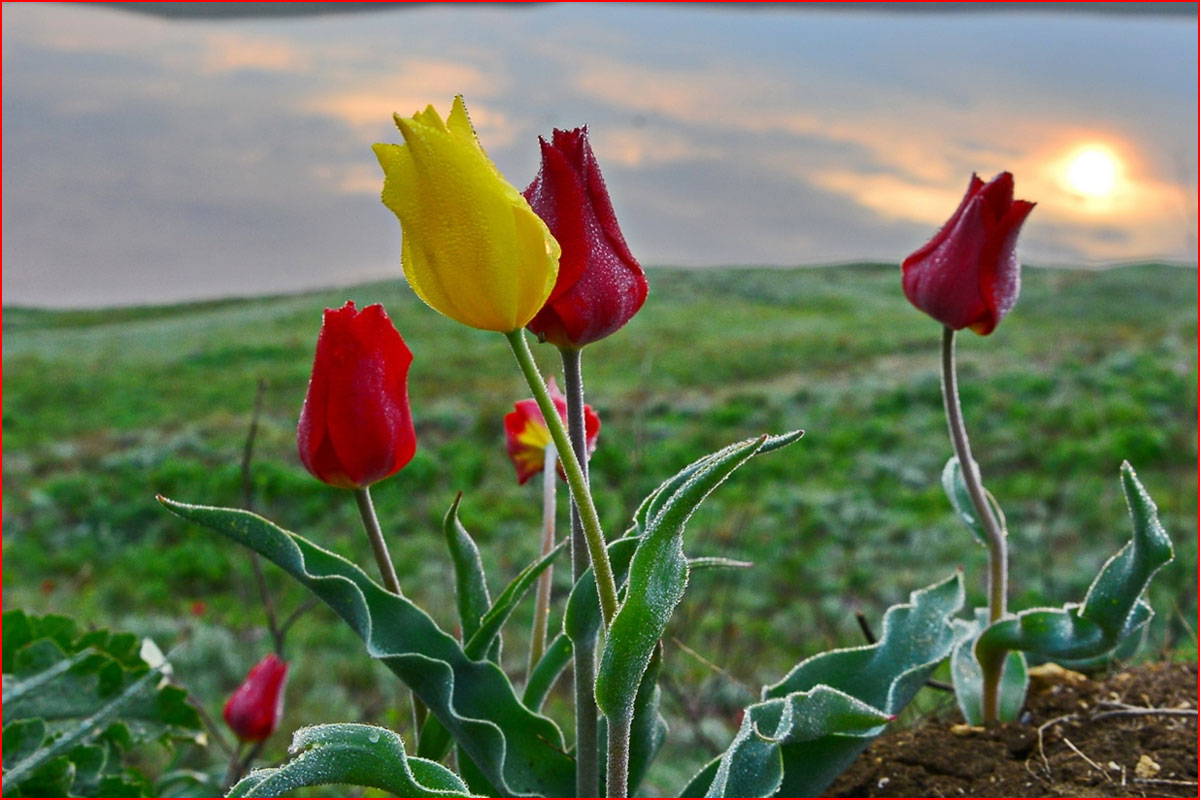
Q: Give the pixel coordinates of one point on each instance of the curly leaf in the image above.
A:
(1112, 609)
(358, 755)
(960, 498)
(470, 583)
(658, 572)
(968, 675)
(814, 723)
(520, 752)
(656, 499)
(435, 739)
(549, 667)
(489, 627)
(753, 766)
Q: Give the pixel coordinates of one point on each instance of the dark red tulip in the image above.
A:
(526, 434)
(355, 427)
(253, 710)
(600, 284)
(968, 275)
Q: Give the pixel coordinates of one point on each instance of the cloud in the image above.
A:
(230, 52)
(640, 146)
(365, 101)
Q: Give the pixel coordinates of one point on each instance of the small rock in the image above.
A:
(1050, 674)
(1146, 767)
(962, 729)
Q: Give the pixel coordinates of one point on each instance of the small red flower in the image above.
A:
(198, 608)
(968, 275)
(600, 284)
(526, 434)
(355, 427)
(253, 710)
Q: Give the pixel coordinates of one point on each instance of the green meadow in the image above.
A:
(104, 409)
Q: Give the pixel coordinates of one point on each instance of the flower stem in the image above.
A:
(541, 609)
(384, 559)
(378, 546)
(996, 537)
(587, 738)
(605, 586)
(618, 754)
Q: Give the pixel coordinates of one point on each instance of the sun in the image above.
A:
(1092, 171)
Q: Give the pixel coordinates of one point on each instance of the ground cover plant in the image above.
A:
(881, 502)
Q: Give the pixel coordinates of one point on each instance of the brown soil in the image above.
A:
(1079, 755)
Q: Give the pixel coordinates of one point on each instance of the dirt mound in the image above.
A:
(1114, 737)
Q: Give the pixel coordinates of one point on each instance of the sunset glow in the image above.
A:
(1092, 171)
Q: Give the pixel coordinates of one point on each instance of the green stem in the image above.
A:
(605, 586)
(996, 538)
(384, 559)
(618, 754)
(541, 609)
(375, 536)
(587, 737)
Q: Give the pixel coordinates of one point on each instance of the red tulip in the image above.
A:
(526, 434)
(254, 708)
(355, 427)
(968, 275)
(600, 284)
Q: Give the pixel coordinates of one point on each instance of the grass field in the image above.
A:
(102, 409)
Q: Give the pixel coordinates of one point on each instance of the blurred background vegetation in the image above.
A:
(104, 409)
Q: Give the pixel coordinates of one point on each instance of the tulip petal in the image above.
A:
(526, 435)
(968, 274)
(355, 427)
(473, 249)
(600, 285)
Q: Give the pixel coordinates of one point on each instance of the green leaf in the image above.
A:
(1113, 608)
(658, 572)
(520, 752)
(549, 667)
(960, 498)
(716, 562)
(470, 583)
(582, 619)
(51, 779)
(489, 627)
(127, 784)
(357, 755)
(79, 733)
(811, 725)
(754, 764)
(22, 739)
(655, 500)
(69, 696)
(435, 740)
(967, 675)
(648, 730)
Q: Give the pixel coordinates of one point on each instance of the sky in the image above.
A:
(149, 160)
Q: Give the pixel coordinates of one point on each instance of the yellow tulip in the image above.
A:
(472, 247)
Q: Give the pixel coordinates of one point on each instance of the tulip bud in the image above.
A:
(526, 434)
(253, 710)
(968, 275)
(472, 247)
(355, 427)
(600, 284)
